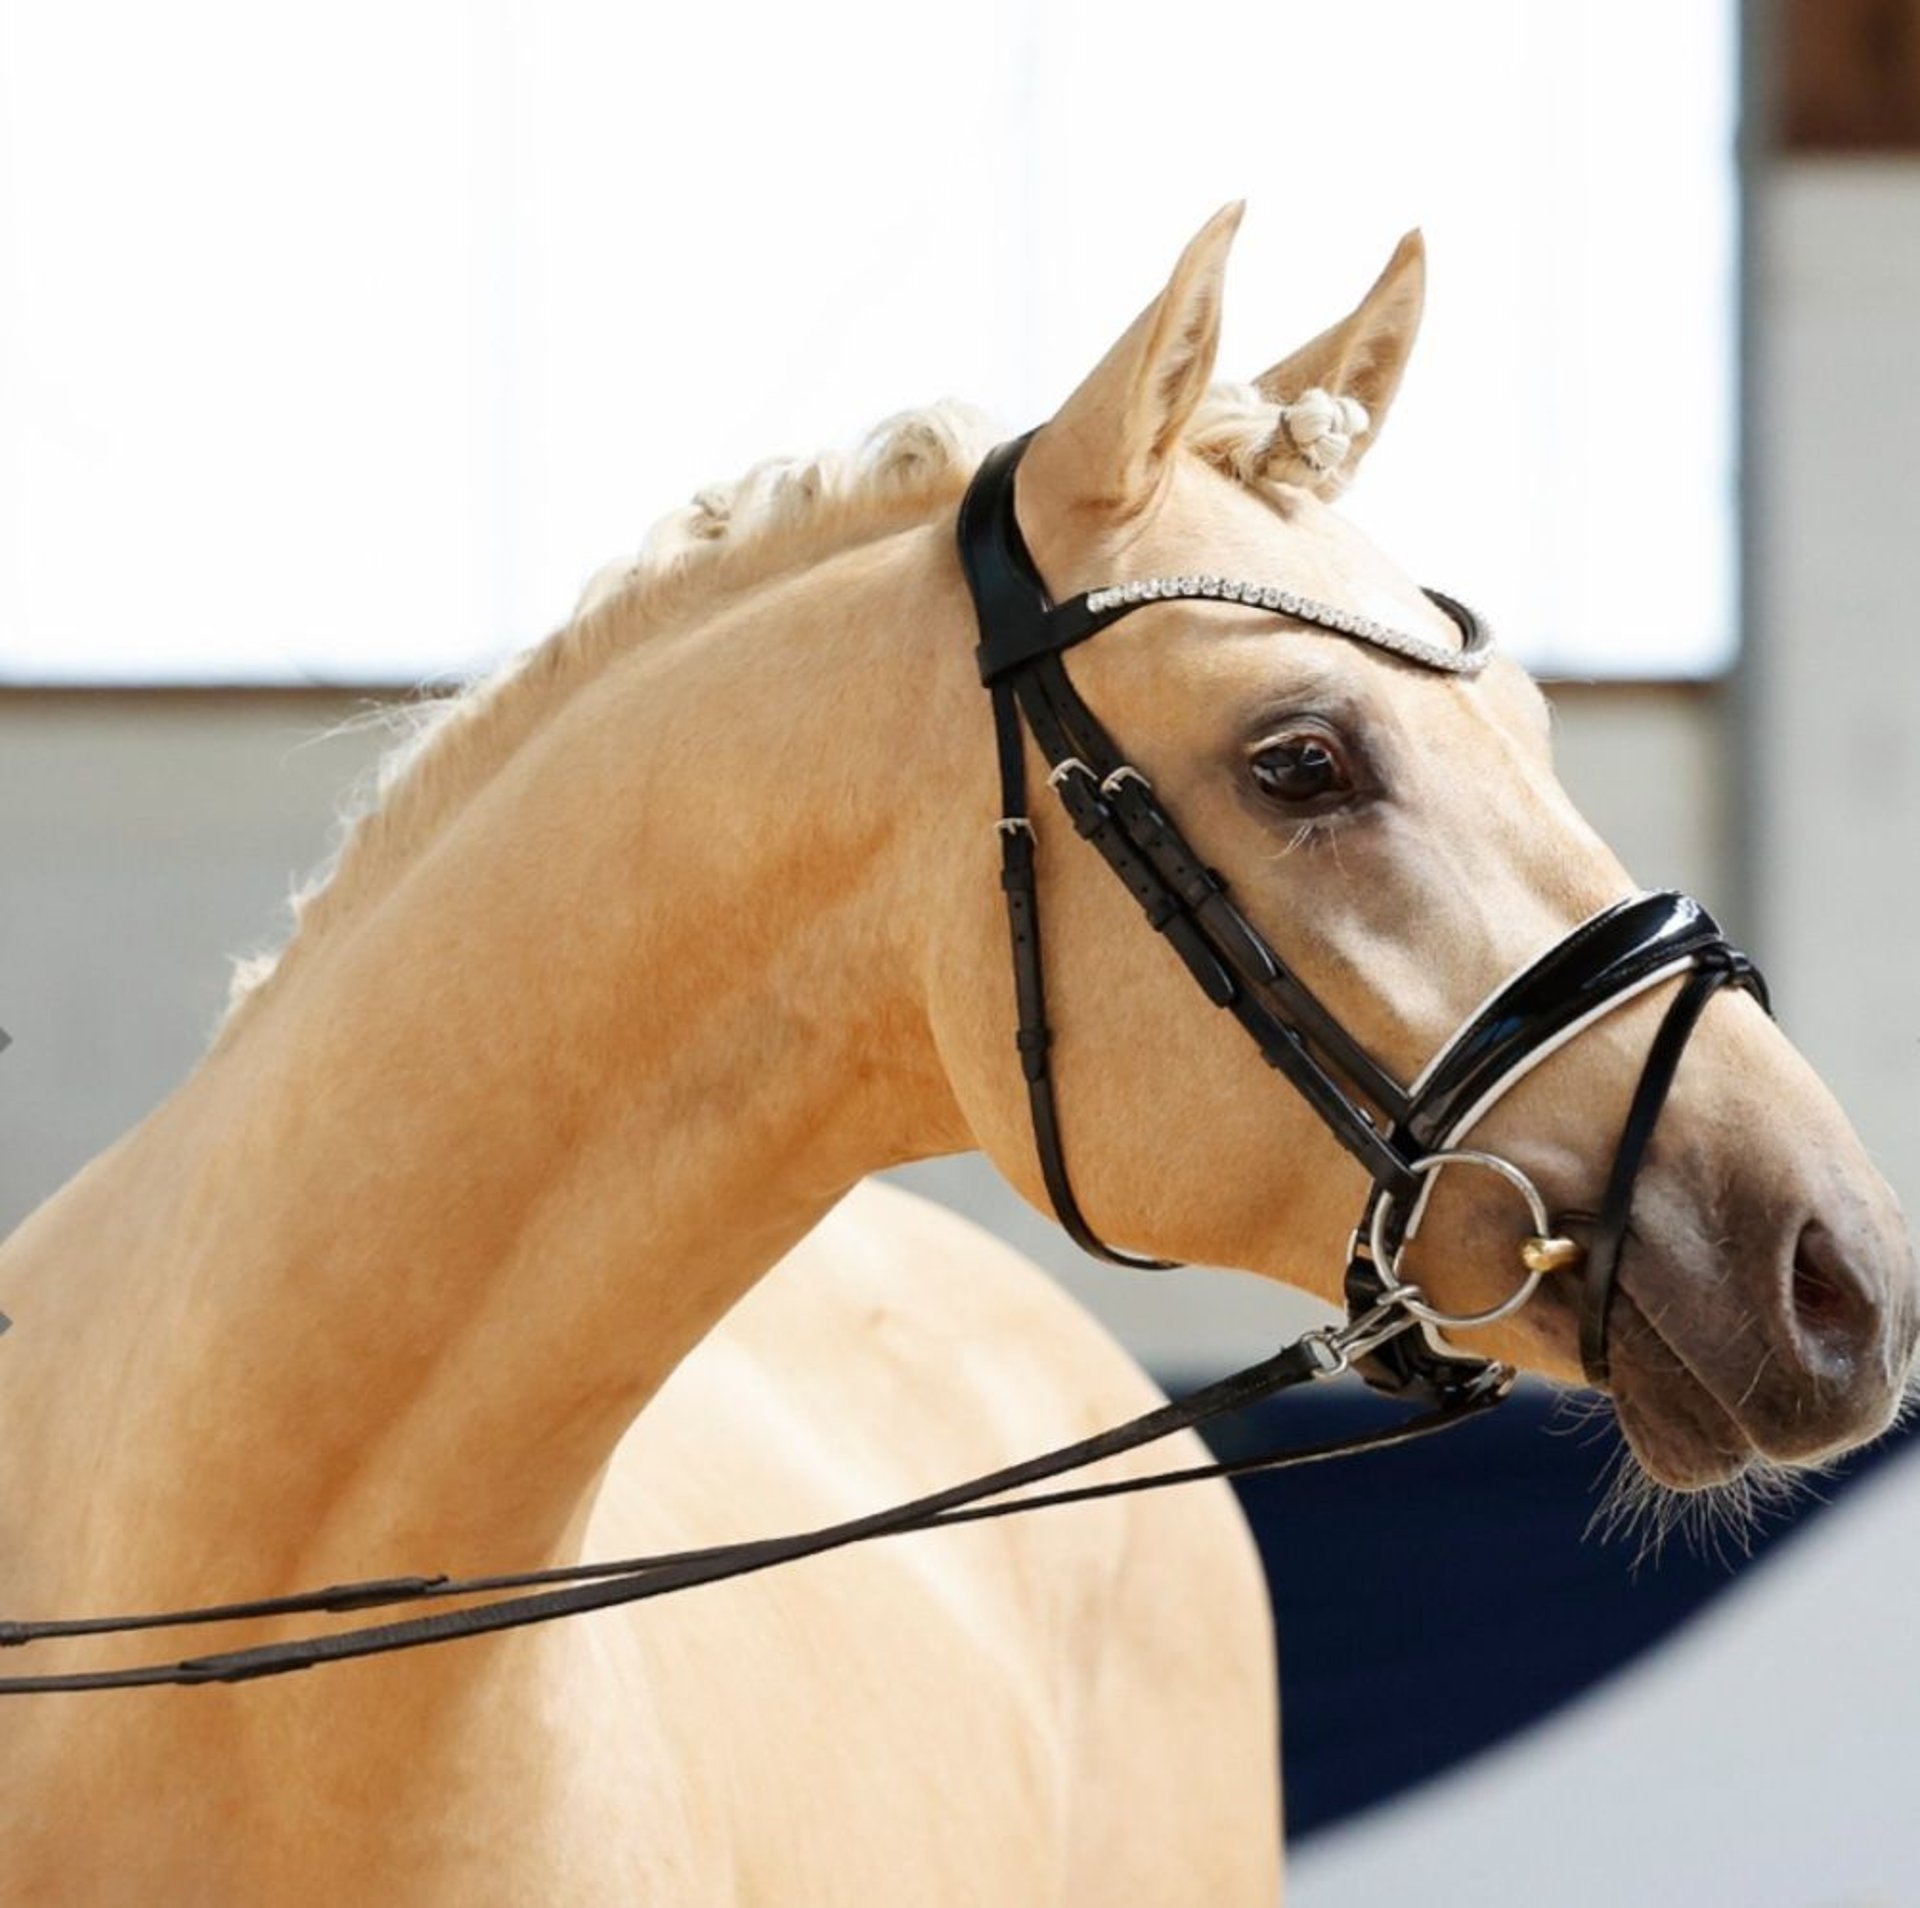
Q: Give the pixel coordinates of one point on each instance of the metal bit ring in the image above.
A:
(1538, 1262)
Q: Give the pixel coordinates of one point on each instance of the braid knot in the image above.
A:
(1323, 427)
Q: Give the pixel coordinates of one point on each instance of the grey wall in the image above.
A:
(145, 837)
(1835, 757)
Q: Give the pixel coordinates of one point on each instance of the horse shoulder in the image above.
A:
(1106, 1669)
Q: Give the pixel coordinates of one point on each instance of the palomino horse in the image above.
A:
(649, 954)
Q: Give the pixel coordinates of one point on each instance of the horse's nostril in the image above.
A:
(1826, 1297)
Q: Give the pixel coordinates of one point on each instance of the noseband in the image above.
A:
(1403, 1136)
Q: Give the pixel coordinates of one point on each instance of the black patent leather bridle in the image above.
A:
(1400, 1135)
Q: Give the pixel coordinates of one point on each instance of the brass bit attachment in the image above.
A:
(1540, 1254)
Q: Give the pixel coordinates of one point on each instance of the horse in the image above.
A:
(453, 1252)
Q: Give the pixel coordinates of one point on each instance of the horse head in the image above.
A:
(1383, 812)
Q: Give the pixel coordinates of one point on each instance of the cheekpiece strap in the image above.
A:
(1112, 806)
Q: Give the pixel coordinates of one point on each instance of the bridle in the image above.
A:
(1402, 1136)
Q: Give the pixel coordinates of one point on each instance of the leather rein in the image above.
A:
(1402, 1136)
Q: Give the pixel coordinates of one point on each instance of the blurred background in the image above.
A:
(338, 347)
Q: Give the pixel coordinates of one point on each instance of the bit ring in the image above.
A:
(1541, 1254)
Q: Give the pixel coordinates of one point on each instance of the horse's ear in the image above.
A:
(1109, 446)
(1357, 362)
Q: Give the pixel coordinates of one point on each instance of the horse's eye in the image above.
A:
(1302, 769)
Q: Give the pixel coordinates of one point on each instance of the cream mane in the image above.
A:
(783, 514)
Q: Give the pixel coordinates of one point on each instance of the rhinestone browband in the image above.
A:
(1467, 661)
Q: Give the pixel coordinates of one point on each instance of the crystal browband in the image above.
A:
(1468, 660)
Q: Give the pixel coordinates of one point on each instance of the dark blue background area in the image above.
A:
(1434, 1598)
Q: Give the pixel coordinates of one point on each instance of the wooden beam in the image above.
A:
(1850, 76)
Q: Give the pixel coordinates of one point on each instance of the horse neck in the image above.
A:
(383, 1283)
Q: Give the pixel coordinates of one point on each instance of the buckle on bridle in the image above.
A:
(1333, 1348)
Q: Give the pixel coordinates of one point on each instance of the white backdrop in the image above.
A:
(343, 343)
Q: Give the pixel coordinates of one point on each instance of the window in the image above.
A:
(343, 344)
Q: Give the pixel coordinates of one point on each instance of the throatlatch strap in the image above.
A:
(1033, 1035)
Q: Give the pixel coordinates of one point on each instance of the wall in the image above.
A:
(1834, 760)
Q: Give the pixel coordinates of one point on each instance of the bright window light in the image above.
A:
(343, 344)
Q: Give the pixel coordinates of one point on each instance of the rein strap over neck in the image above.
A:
(545, 1596)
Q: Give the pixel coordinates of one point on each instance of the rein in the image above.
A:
(1402, 1136)
(574, 1589)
